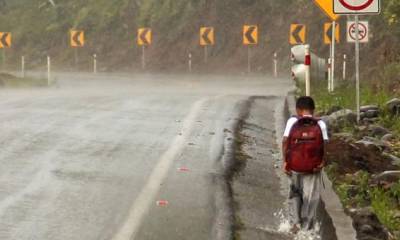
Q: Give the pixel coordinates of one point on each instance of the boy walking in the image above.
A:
(303, 151)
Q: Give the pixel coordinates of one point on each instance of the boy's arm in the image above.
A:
(285, 144)
(323, 164)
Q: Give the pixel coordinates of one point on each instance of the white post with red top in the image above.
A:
(275, 65)
(307, 63)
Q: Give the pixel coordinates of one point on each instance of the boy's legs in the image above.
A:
(295, 198)
(311, 198)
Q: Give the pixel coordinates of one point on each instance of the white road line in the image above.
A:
(146, 198)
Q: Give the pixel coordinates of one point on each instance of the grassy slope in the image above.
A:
(111, 28)
(39, 29)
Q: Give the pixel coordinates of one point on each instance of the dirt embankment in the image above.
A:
(364, 167)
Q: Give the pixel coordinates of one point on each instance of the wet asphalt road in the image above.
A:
(90, 158)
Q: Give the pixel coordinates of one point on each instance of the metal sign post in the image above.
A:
(329, 74)
(333, 56)
(248, 59)
(205, 54)
(344, 66)
(4, 59)
(357, 49)
(356, 7)
(307, 63)
(143, 57)
(76, 57)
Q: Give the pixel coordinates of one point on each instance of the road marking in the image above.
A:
(162, 203)
(183, 169)
(149, 192)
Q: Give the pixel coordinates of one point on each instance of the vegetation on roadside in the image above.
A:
(356, 191)
(359, 189)
(10, 81)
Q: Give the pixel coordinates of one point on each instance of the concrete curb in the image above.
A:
(342, 223)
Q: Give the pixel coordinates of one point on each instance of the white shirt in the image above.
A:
(293, 120)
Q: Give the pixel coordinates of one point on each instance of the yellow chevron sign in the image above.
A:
(297, 34)
(250, 34)
(5, 39)
(328, 33)
(77, 38)
(327, 7)
(144, 36)
(207, 36)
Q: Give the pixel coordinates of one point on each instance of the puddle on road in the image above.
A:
(285, 226)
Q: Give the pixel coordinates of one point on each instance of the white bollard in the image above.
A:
(275, 65)
(190, 62)
(23, 66)
(307, 63)
(48, 71)
(94, 63)
(344, 66)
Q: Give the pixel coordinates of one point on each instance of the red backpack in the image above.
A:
(305, 150)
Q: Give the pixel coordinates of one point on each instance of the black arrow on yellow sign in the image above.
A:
(144, 36)
(77, 38)
(250, 35)
(207, 36)
(297, 34)
(5, 39)
(328, 33)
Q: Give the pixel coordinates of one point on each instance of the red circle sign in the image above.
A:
(363, 31)
(358, 7)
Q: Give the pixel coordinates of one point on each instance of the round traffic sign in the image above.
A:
(362, 31)
(361, 5)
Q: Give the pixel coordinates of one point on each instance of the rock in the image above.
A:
(387, 137)
(366, 229)
(333, 109)
(387, 176)
(371, 114)
(339, 117)
(344, 136)
(378, 131)
(369, 108)
(394, 160)
(368, 121)
(393, 106)
(360, 164)
(369, 111)
(373, 142)
(340, 113)
(368, 225)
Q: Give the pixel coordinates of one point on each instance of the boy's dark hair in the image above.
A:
(305, 103)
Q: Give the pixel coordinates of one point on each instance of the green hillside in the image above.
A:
(40, 29)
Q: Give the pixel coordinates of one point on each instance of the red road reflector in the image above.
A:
(162, 203)
(183, 169)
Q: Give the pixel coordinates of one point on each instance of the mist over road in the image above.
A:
(89, 158)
